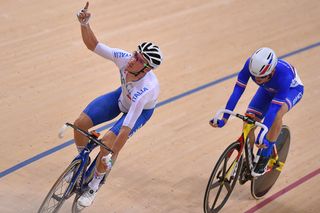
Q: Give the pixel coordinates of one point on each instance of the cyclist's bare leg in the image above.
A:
(252, 137)
(276, 126)
(85, 123)
(115, 143)
(101, 168)
(108, 139)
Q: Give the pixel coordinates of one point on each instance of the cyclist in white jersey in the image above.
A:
(135, 100)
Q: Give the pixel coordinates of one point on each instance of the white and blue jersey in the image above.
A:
(136, 99)
(285, 86)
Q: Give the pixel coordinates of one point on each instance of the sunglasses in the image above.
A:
(137, 56)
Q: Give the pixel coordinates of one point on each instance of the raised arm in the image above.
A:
(88, 36)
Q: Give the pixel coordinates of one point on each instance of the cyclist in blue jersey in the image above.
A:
(280, 89)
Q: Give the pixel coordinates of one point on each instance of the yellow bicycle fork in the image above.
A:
(273, 161)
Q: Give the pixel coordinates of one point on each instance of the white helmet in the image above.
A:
(262, 62)
(151, 53)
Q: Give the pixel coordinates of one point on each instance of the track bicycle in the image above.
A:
(238, 161)
(75, 178)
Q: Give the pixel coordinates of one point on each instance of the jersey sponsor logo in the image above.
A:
(138, 94)
(294, 83)
(297, 98)
(121, 54)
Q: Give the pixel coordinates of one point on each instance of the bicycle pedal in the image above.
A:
(275, 164)
(280, 166)
(271, 162)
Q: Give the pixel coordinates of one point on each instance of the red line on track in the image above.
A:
(283, 191)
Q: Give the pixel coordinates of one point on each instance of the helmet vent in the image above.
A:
(270, 55)
(151, 53)
(157, 62)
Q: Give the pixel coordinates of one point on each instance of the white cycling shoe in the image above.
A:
(87, 198)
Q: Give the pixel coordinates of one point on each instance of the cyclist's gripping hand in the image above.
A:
(265, 144)
(83, 15)
(220, 123)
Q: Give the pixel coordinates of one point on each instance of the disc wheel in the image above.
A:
(262, 184)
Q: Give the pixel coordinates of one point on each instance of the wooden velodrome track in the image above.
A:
(48, 77)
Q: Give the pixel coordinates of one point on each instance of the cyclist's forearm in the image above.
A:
(121, 139)
(233, 100)
(88, 37)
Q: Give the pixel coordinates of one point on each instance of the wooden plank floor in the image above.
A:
(48, 77)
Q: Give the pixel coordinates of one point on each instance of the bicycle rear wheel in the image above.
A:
(262, 185)
(57, 194)
(223, 179)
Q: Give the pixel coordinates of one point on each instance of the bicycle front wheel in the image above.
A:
(223, 179)
(57, 194)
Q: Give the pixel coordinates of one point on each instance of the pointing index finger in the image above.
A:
(87, 5)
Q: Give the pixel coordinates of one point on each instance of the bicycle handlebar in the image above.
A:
(87, 134)
(245, 119)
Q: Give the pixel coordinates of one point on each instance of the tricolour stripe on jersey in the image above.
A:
(254, 111)
(289, 103)
(277, 102)
(241, 84)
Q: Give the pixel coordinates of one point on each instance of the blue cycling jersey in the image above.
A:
(279, 88)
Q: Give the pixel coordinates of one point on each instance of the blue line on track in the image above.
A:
(162, 103)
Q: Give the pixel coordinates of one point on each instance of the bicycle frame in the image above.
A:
(248, 127)
(236, 163)
(83, 157)
(243, 141)
(76, 176)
